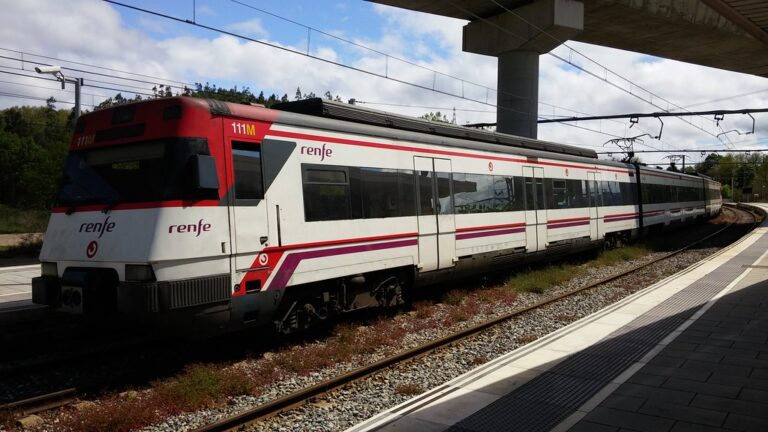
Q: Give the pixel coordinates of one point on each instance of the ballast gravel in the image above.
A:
(361, 400)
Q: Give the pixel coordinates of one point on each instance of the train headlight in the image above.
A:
(49, 269)
(139, 273)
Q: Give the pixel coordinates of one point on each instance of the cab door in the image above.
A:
(249, 225)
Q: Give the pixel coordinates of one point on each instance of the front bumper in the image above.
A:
(98, 292)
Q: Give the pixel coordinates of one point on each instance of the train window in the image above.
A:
(473, 193)
(628, 193)
(541, 204)
(246, 159)
(444, 196)
(483, 193)
(326, 193)
(607, 194)
(530, 202)
(380, 193)
(578, 193)
(426, 193)
(515, 196)
(407, 192)
(558, 196)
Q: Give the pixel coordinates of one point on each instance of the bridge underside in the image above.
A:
(723, 34)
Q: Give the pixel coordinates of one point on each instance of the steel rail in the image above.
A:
(298, 398)
(43, 402)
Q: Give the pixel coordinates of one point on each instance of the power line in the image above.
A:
(728, 98)
(657, 114)
(88, 72)
(335, 63)
(22, 53)
(30, 97)
(607, 70)
(308, 54)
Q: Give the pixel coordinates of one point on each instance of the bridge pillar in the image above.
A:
(517, 39)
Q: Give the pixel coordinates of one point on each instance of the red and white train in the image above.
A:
(240, 215)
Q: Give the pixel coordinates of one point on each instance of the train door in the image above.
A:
(595, 201)
(535, 209)
(437, 227)
(248, 216)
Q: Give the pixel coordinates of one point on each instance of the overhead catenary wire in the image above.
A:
(592, 130)
(332, 62)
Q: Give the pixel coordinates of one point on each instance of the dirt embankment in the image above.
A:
(19, 239)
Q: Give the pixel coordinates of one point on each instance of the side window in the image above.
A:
(558, 198)
(473, 193)
(577, 191)
(326, 193)
(246, 159)
(529, 200)
(541, 203)
(380, 195)
(444, 197)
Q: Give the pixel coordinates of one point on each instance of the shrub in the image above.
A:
(202, 385)
(538, 281)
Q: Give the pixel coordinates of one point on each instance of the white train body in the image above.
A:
(246, 215)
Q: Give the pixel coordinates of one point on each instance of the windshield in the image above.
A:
(148, 171)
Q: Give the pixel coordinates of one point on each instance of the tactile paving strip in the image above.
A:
(548, 399)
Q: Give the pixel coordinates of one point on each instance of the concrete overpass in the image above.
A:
(724, 34)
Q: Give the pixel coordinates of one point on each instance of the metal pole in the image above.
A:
(78, 83)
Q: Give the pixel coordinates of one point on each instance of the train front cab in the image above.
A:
(142, 225)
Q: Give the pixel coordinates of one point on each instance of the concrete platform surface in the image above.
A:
(689, 353)
(16, 282)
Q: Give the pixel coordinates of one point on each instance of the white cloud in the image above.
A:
(93, 32)
(252, 28)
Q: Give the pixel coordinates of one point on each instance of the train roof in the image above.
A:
(377, 124)
(354, 113)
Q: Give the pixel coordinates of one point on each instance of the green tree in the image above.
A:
(435, 116)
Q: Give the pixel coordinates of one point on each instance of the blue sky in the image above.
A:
(97, 33)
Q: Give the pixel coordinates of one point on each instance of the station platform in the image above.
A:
(689, 353)
(16, 294)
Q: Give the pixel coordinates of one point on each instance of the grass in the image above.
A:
(616, 256)
(16, 221)
(538, 281)
(114, 414)
(202, 385)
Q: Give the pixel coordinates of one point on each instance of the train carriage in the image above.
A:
(237, 215)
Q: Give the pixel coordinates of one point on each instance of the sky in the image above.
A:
(391, 59)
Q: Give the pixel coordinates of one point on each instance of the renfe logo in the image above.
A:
(98, 227)
(317, 151)
(190, 228)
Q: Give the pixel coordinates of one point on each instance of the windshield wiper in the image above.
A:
(71, 209)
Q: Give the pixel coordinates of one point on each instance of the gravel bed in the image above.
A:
(361, 400)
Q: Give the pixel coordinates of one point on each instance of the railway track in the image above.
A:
(41, 403)
(63, 397)
(237, 422)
